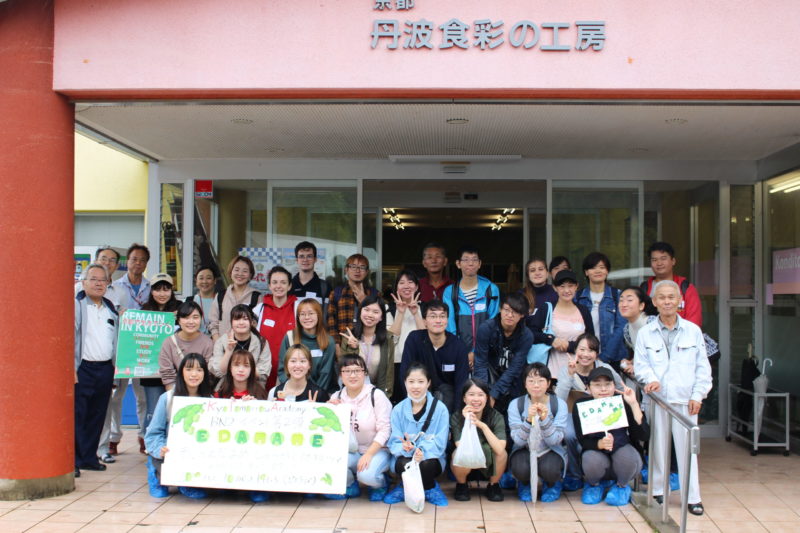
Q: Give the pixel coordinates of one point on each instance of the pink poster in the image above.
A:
(786, 271)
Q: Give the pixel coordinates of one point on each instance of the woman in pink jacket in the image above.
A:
(370, 427)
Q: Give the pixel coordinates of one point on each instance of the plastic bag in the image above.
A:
(469, 453)
(412, 487)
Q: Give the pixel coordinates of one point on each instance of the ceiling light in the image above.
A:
(676, 121)
(456, 121)
(786, 184)
(241, 121)
(448, 159)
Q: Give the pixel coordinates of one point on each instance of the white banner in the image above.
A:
(602, 414)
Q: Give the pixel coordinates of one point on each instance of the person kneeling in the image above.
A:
(492, 438)
(613, 458)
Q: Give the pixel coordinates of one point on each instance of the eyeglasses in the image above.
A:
(305, 256)
(307, 315)
(469, 260)
(361, 268)
(352, 371)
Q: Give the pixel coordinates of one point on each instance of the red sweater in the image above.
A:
(690, 307)
(273, 324)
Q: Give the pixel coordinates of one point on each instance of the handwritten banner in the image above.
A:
(602, 414)
(257, 445)
(141, 334)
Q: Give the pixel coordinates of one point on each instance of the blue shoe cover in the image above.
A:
(551, 494)
(592, 495)
(435, 496)
(258, 496)
(645, 475)
(572, 484)
(524, 492)
(353, 491)
(674, 482)
(607, 483)
(157, 490)
(396, 495)
(507, 481)
(377, 495)
(335, 496)
(193, 492)
(618, 496)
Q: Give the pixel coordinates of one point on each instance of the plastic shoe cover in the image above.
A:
(396, 495)
(645, 476)
(571, 484)
(157, 490)
(618, 496)
(607, 483)
(193, 492)
(335, 496)
(435, 496)
(592, 495)
(353, 491)
(524, 492)
(507, 481)
(377, 495)
(551, 494)
(311, 496)
(674, 482)
(258, 496)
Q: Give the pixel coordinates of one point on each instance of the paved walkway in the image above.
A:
(740, 493)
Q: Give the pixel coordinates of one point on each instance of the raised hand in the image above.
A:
(352, 341)
(399, 303)
(414, 305)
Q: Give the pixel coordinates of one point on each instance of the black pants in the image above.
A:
(429, 468)
(92, 393)
(550, 466)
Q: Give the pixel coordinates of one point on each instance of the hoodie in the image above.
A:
(273, 323)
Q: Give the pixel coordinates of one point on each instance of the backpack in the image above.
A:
(553, 405)
(253, 300)
(371, 394)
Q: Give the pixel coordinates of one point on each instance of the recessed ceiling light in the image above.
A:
(676, 121)
(241, 121)
(453, 121)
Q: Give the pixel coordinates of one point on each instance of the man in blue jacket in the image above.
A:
(441, 352)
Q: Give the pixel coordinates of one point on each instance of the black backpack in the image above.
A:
(253, 300)
(553, 405)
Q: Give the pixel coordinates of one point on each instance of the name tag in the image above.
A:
(448, 368)
(316, 353)
(480, 307)
(310, 294)
(269, 322)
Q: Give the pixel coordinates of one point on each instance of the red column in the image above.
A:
(36, 236)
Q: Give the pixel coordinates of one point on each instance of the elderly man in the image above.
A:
(109, 258)
(96, 327)
(670, 358)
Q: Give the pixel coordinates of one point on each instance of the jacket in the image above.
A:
(323, 366)
(683, 371)
(221, 324)
(553, 428)
(370, 416)
(385, 378)
(449, 364)
(690, 307)
(433, 442)
(466, 321)
(489, 349)
(261, 354)
(158, 429)
(273, 323)
(538, 319)
(81, 304)
(636, 433)
(612, 323)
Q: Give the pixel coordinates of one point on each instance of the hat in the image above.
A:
(565, 275)
(601, 372)
(162, 276)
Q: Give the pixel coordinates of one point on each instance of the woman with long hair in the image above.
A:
(370, 340)
(310, 331)
(243, 335)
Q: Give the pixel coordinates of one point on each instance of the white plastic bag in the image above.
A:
(353, 445)
(412, 487)
(469, 453)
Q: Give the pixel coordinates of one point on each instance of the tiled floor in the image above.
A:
(740, 493)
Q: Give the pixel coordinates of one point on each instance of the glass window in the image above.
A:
(742, 241)
(171, 228)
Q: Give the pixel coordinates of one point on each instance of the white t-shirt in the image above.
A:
(596, 298)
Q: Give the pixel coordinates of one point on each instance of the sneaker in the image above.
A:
(112, 448)
(462, 492)
(618, 496)
(674, 482)
(396, 495)
(645, 473)
(193, 492)
(106, 458)
(258, 496)
(507, 481)
(377, 495)
(524, 492)
(494, 493)
(551, 494)
(571, 484)
(435, 496)
(592, 495)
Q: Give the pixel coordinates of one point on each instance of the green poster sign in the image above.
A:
(141, 334)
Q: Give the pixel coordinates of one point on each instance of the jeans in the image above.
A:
(151, 394)
(373, 475)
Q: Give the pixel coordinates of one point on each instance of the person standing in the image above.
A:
(96, 328)
(306, 283)
(241, 272)
(662, 261)
(205, 279)
(536, 289)
(434, 260)
(109, 258)
(276, 316)
(670, 358)
(344, 300)
(403, 317)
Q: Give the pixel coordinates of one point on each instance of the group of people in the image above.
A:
(417, 370)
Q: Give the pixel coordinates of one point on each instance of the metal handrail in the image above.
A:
(692, 449)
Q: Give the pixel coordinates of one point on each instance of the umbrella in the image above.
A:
(760, 385)
(534, 439)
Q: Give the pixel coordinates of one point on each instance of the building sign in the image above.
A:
(204, 189)
(483, 34)
(786, 271)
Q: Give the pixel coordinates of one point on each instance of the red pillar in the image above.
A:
(36, 240)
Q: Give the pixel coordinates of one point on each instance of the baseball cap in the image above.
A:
(565, 275)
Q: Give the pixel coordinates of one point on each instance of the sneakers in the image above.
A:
(112, 448)
(571, 484)
(592, 495)
(258, 496)
(507, 481)
(377, 495)
(106, 458)
(157, 490)
(396, 495)
(674, 482)
(524, 492)
(435, 496)
(462, 492)
(494, 493)
(551, 494)
(618, 496)
(193, 492)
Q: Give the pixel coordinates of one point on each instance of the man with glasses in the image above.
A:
(96, 328)
(109, 258)
(306, 283)
(432, 286)
(344, 300)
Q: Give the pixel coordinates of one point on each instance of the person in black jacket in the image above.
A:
(615, 455)
(568, 320)
(442, 353)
